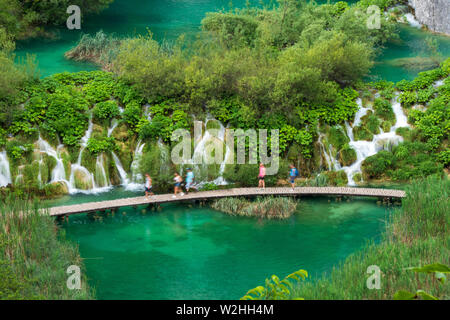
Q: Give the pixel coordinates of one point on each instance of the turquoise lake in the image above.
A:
(185, 252)
(169, 19)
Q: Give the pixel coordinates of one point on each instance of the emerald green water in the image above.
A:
(198, 253)
(170, 18)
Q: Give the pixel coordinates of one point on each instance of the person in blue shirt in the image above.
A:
(293, 173)
(189, 179)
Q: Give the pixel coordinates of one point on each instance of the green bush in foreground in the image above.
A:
(417, 235)
(34, 255)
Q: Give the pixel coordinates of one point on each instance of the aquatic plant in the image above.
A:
(263, 207)
(99, 48)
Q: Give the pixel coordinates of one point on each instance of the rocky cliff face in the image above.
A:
(435, 14)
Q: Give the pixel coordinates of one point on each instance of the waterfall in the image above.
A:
(5, 174)
(114, 124)
(147, 113)
(438, 84)
(411, 19)
(102, 179)
(123, 174)
(362, 111)
(201, 155)
(220, 180)
(136, 177)
(365, 149)
(330, 160)
(58, 173)
(77, 168)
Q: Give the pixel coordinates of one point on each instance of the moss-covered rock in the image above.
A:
(383, 109)
(357, 178)
(88, 160)
(336, 178)
(337, 137)
(347, 156)
(372, 123)
(101, 174)
(213, 124)
(386, 126)
(405, 133)
(59, 188)
(98, 131)
(362, 133)
(83, 181)
(121, 133)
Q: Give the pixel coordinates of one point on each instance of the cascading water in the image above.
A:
(365, 149)
(332, 163)
(101, 176)
(201, 154)
(5, 174)
(122, 173)
(78, 172)
(136, 177)
(58, 173)
(114, 124)
(411, 19)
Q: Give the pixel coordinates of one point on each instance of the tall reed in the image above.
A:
(416, 235)
(264, 207)
(99, 48)
(34, 254)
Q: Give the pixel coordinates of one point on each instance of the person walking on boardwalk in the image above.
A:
(148, 185)
(261, 176)
(189, 180)
(178, 180)
(293, 174)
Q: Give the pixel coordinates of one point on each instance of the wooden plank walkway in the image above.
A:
(238, 192)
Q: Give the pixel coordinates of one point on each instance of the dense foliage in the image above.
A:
(22, 18)
(34, 255)
(425, 150)
(416, 235)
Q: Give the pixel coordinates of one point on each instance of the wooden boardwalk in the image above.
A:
(238, 192)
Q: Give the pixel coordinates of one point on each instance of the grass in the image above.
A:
(99, 48)
(34, 255)
(263, 207)
(416, 235)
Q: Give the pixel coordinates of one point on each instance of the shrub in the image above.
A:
(347, 155)
(362, 133)
(374, 167)
(383, 109)
(337, 137)
(96, 146)
(106, 110)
